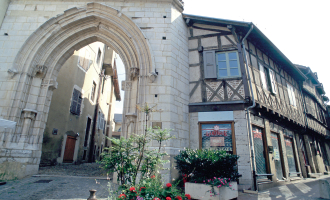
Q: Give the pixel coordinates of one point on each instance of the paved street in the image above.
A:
(59, 182)
(302, 189)
(74, 182)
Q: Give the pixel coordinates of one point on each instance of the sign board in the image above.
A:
(217, 141)
(276, 154)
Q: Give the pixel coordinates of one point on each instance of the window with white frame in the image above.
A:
(221, 64)
(268, 79)
(228, 64)
(292, 97)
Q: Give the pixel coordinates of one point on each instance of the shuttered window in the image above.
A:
(76, 100)
(93, 91)
(101, 121)
(228, 64)
(292, 97)
(221, 64)
(210, 68)
(84, 59)
(268, 79)
(272, 81)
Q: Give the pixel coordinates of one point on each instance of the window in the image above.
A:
(228, 64)
(101, 121)
(221, 64)
(76, 102)
(84, 59)
(291, 95)
(267, 78)
(98, 56)
(93, 91)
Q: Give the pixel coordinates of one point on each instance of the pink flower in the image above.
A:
(168, 185)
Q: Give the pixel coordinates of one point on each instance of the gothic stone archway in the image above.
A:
(42, 55)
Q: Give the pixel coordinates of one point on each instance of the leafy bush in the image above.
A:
(201, 165)
(152, 189)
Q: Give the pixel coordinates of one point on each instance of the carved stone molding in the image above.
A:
(29, 114)
(126, 85)
(39, 71)
(130, 117)
(52, 83)
(152, 76)
(12, 72)
(134, 71)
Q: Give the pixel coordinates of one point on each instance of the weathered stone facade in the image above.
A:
(196, 70)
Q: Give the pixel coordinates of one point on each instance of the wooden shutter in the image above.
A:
(263, 77)
(210, 68)
(272, 80)
(291, 95)
(79, 103)
(74, 102)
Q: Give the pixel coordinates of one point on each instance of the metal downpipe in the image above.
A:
(248, 110)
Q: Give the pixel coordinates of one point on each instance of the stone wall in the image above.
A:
(163, 48)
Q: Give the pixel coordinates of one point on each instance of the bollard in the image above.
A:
(92, 195)
(324, 189)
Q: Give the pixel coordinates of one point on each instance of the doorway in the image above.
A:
(69, 149)
(277, 156)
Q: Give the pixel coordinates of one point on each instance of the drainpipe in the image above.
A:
(248, 110)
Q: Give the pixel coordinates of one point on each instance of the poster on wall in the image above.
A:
(217, 136)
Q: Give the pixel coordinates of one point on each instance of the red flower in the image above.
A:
(168, 198)
(142, 188)
(178, 197)
(132, 189)
(122, 196)
(156, 198)
(188, 196)
(153, 176)
(168, 185)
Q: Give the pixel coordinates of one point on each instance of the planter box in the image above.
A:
(202, 191)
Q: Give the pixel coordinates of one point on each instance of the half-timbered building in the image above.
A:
(249, 99)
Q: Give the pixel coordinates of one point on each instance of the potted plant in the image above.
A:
(211, 174)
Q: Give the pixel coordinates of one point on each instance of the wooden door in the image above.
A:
(69, 149)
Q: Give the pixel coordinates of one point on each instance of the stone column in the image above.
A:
(296, 153)
(270, 155)
(285, 159)
(301, 158)
(309, 153)
(29, 116)
(327, 149)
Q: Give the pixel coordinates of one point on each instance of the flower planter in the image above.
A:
(202, 191)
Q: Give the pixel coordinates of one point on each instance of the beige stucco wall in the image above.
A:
(59, 114)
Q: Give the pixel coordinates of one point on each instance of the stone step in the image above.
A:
(314, 175)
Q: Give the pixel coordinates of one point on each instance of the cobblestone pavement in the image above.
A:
(298, 190)
(58, 183)
(86, 170)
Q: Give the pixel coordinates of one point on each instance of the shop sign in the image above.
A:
(276, 154)
(217, 141)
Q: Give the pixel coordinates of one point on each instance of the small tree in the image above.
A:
(130, 156)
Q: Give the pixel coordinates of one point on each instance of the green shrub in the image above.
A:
(201, 165)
